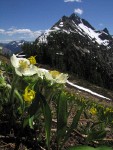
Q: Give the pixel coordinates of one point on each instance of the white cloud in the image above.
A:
(73, 1)
(14, 33)
(5, 41)
(2, 31)
(78, 11)
(18, 31)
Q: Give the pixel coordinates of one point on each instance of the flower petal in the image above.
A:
(14, 61)
(44, 73)
(30, 71)
(62, 78)
(18, 72)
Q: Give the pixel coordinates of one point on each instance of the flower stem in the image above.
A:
(11, 99)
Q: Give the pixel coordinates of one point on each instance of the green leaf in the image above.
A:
(18, 95)
(73, 125)
(48, 119)
(96, 135)
(31, 122)
(104, 148)
(34, 106)
(81, 148)
(26, 122)
(89, 148)
(61, 116)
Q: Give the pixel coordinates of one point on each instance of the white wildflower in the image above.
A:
(22, 66)
(58, 77)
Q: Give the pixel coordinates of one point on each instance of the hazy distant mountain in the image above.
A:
(13, 46)
(4, 50)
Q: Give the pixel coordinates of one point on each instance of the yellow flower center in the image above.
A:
(23, 64)
(54, 73)
(108, 110)
(32, 60)
(93, 111)
(29, 94)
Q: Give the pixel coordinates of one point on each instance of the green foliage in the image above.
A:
(61, 117)
(74, 125)
(33, 108)
(81, 148)
(89, 148)
(51, 102)
(48, 119)
(96, 135)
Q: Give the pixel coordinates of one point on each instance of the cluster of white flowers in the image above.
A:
(53, 76)
(25, 67)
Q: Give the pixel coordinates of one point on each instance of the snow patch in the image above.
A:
(60, 53)
(56, 28)
(21, 43)
(68, 32)
(43, 37)
(87, 90)
(61, 24)
(91, 33)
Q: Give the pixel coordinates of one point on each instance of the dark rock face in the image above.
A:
(85, 52)
(106, 31)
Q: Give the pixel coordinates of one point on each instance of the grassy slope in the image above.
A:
(94, 88)
(4, 59)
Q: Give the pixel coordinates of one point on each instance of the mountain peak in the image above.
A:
(78, 26)
(75, 18)
(106, 30)
(73, 15)
(79, 20)
(64, 18)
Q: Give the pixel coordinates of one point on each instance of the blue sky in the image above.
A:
(26, 19)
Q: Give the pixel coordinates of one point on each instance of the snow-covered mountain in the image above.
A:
(74, 24)
(15, 46)
(12, 47)
(73, 45)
